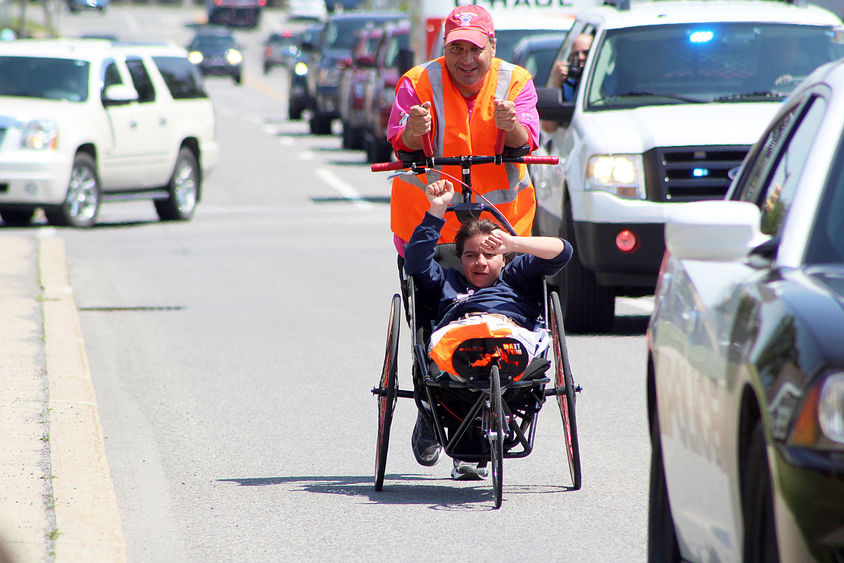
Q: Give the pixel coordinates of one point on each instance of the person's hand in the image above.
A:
(439, 195)
(504, 113)
(419, 119)
(559, 73)
(498, 242)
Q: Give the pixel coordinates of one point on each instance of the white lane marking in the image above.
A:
(345, 189)
(286, 141)
(306, 155)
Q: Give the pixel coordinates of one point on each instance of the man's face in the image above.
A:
(468, 64)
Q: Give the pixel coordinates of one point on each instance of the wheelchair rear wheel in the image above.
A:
(496, 434)
(563, 380)
(386, 392)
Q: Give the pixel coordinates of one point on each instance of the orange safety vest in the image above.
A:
(506, 186)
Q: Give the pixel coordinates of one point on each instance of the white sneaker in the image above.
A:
(465, 471)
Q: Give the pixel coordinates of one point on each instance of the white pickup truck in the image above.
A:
(85, 121)
(670, 98)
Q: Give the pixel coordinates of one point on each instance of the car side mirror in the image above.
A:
(405, 60)
(551, 106)
(117, 94)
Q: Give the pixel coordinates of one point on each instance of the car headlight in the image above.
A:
(620, 174)
(195, 57)
(820, 422)
(831, 407)
(234, 57)
(40, 134)
(300, 69)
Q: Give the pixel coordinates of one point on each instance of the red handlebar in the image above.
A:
(541, 160)
(399, 165)
(427, 149)
(386, 166)
(499, 142)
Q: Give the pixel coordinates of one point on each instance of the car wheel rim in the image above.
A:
(82, 196)
(184, 188)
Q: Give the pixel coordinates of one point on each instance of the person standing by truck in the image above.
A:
(463, 99)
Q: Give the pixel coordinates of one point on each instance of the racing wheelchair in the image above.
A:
(490, 410)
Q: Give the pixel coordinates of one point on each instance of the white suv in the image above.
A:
(85, 121)
(671, 96)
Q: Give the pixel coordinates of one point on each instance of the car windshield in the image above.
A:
(506, 39)
(538, 62)
(342, 34)
(44, 77)
(212, 42)
(720, 62)
(397, 43)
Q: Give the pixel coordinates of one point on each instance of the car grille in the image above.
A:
(691, 173)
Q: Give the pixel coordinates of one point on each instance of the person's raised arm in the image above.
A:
(501, 242)
(439, 195)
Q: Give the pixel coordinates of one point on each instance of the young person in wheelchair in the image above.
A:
(500, 286)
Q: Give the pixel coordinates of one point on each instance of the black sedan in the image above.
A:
(746, 351)
(215, 52)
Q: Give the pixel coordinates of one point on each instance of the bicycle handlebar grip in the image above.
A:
(541, 160)
(385, 166)
(499, 142)
(426, 146)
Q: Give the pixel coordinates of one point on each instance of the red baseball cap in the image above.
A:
(471, 23)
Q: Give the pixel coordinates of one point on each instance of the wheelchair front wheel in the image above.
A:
(386, 392)
(496, 435)
(564, 380)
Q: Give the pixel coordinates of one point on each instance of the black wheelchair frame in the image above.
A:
(489, 418)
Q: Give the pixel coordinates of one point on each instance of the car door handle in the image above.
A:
(162, 121)
(133, 124)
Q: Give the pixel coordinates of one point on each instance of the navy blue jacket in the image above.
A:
(517, 293)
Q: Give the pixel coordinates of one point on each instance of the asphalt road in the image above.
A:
(233, 357)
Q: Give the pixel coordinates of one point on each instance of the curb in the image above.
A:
(86, 505)
(59, 501)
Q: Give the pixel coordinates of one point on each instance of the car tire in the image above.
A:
(267, 68)
(382, 150)
(588, 307)
(348, 136)
(320, 124)
(238, 79)
(81, 204)
(17, 216)
(760, 536)
(662, 537)
(184, 189)
(294, 113)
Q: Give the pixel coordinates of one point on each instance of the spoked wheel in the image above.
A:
(387, 391)
(496, 434)
(563, 380)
